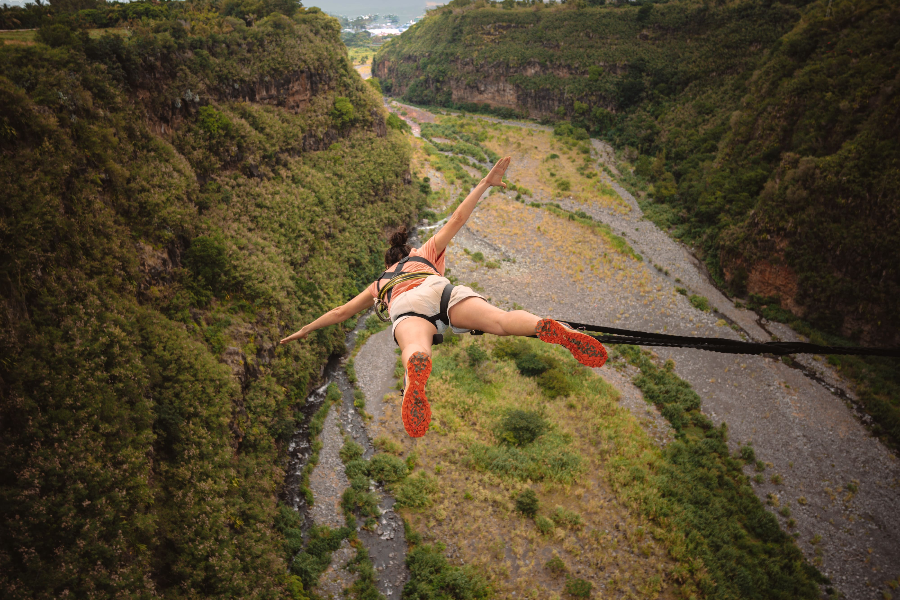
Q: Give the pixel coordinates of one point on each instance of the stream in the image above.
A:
(386, 543)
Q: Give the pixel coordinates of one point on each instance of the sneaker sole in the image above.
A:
(586, 349)
(415, 411)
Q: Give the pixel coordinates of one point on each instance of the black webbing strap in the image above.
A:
(645, 338)
(442, 316)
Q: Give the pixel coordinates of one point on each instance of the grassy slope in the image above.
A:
(627, 515)
(768, 131)
(135, 462)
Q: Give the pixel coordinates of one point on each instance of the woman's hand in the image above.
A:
(300, 335)
(495, 177)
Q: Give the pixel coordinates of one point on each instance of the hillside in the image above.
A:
(176, 198)
(763, 134)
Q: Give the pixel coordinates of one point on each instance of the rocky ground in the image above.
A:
(386, 543)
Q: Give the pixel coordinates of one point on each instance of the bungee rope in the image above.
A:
(611, 335)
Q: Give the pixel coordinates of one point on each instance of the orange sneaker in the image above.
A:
(586, 349)
(415, 411)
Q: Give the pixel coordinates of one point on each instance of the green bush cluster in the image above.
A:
(703, 491)
(165, 223)
(566, 518)
(546, 459)
(431, 577)
(521, 427)
(476, 355)
(547, 371)
(527, 503)
(416, 490)
(575, 586)
(387, 468)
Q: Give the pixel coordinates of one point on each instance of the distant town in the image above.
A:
(374, 25)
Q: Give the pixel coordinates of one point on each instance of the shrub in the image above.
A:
(213, 122)
(208, 262)
(554, 383)
(566, 518)
(395, 122)
(360, 501)
(556, 566)
(527, 503)
(747, 454)
(476, 355)
(387, 468)
(531, 365)
(579, 588)
(510, 347)
(432, 578)
(350, 451)
(343, 112)
(544, 525)
(359, 399)
(416, 490)
(312, 562)
(477, 257)
(564, 185)
(700, 302)
(521, 427)
(357, 468)
(333, 393)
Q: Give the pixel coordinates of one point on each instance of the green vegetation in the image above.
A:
(171, 210)
(431, 577)
(576, 587)
(695, 519)
(527, 503)
(763, 134)
(702, 490)
(521, 427)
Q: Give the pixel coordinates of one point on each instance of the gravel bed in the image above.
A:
(328, 481)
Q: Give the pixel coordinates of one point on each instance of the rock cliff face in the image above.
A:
(495, 85)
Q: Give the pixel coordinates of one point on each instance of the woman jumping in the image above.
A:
(414, 291)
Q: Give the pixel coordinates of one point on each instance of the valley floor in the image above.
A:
(828, 481)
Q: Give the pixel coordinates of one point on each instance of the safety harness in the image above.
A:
(441, 320)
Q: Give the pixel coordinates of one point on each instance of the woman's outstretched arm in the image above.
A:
(336, 315)
(464, 210)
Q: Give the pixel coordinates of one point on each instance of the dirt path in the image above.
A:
(838, 483)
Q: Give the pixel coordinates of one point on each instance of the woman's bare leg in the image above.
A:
(476, 313)
(414, 335)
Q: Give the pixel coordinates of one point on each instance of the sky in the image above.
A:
(405, 9)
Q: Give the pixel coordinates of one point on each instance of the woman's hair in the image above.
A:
(399, 248)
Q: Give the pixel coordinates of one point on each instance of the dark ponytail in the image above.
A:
(399, 248)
